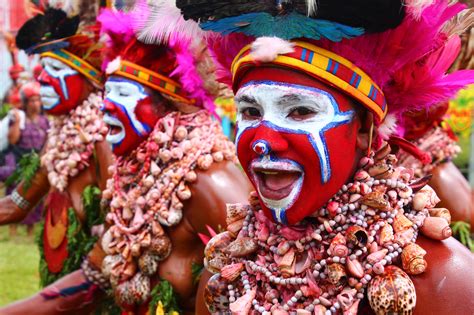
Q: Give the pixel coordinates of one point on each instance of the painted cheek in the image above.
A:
(146, 113)
(74, 86)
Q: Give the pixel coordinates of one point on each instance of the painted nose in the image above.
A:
(268, 140)
(107, 106)
(44, 78)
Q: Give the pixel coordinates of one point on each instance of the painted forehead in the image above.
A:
(116, 81)
(288, 93)
(48, 61)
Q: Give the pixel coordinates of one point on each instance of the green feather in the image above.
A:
(25, 171)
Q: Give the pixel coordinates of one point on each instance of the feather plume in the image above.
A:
(223, 49)
(460, 23)
(117, 27)
(162, 21)
(312, 7)
(388, 127)
(416, 7)
(372, 15)
(288, 26)
(409, 63)
(71, 7)
(266, 49)
(188, 75)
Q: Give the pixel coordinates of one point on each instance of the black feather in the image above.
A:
(372, 15)
(53, 25)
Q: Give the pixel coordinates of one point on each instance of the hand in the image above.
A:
(15, 116)
(10, 212)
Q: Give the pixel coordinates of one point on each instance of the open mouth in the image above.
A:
(276, 180)
(49, 98)
(116, 129)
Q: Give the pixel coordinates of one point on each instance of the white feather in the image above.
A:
(113, 66)
(266, 49)
(388, 127)
(416, 7)
(71, 7)
(165, 21)
(312, 7)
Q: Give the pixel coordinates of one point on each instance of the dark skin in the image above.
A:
(454, 191)
(95, 174)
(209, 196)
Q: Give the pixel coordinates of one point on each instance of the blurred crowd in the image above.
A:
(23, 130)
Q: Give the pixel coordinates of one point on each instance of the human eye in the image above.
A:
(250, 113)
(300, 113)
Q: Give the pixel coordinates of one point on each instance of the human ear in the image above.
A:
(366, 130)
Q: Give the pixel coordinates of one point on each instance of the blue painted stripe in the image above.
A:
(303, 54)
(328, 68)
(375, 94)
(359, 78)
(354, 76)
(336, 66)
(311, 56)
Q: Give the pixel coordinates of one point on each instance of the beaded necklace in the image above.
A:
(146, 193)
(71, 141)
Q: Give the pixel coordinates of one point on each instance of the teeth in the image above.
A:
(269, 173)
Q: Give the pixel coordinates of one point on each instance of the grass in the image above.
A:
(19, 260)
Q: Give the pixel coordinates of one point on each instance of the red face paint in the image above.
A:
(62, 88)
(300, 148)
(130, 113)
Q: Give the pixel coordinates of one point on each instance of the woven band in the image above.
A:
(21, 202)
(153, 80)
(77, 63)
(94, 276)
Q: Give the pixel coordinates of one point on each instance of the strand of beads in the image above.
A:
(71, 140)
(147, 191)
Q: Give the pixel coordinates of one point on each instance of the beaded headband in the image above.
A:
(153, 80)
(76, 63)
(326, 66)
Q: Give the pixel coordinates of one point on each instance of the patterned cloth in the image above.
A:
(32, 137)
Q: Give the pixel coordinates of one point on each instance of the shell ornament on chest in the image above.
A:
(146, 194)
(330, 261)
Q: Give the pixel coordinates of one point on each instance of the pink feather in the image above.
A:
(409, 63)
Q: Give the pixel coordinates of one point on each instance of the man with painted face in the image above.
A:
(174, 173)
(72, 168)
(335, 225)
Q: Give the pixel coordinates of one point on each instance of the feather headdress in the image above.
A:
(288, 19)
(408, 63)
(156, 37)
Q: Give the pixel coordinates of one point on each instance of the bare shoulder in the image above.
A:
(447, 287)
(221, 184)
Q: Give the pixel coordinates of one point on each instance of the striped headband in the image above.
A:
(78, 64)
(326, 66)
(153, 80)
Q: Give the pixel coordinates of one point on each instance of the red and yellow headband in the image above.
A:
(153, 80)
(77, 64)
(326, 66)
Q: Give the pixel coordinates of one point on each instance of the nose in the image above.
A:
(107, 106)
(44, 78)
(267, 139)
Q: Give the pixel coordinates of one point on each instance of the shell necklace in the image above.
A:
(439, 144)
(147, 191)
(328, 262)
(71, 141)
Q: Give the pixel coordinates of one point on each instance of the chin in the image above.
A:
(278, 183)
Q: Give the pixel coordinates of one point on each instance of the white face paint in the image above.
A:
(58, 70)
(122, 96)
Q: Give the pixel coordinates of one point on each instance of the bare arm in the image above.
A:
(10, 212)
(453, 190)
(80, 302)
(14, 131)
